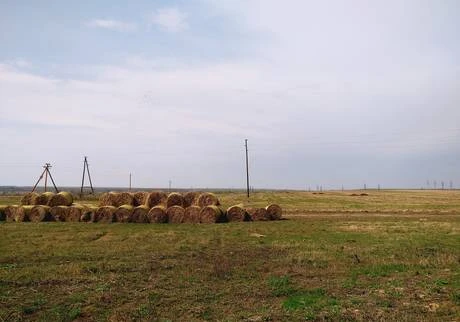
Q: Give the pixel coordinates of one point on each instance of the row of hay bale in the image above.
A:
(51, 199)
(140, 214)
(155, 198)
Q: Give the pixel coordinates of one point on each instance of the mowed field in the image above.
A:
(385, 256)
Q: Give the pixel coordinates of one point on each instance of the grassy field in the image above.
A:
(388, 256)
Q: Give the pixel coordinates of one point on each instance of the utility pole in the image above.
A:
(45, 173)
(247, 166)
(130, 175)
(86, 169)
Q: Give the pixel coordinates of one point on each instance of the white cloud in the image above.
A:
(22, 63)
(111, 25)
(169, 19)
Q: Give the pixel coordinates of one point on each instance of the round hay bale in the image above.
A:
(140, 198)
(124, 213)
(40, 213)
(107, 199)
(237, 213)
(190, 198)
(192, 215)
(75, 212)
(258, 214)
(104, 214)
(88, 214)
(158, 215)
(2, 212)
(16, 213)
(156, 198)
(141, 214)
(175, 214)
(212, 214)
(174, 199)
(44, 198)
(29, 198)
(10, 212)
(124, 198)
(60, 213)
(274, 211)
(62, 198)
(207, 199)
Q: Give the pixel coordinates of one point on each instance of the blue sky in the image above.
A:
(327, 93)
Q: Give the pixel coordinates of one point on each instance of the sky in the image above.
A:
(328, 93)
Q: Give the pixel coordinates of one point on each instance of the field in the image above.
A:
(384, 256)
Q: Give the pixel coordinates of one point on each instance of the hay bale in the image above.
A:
(88, 214)
(258, 214)
(274, 211)
(10, 212)
(140, 214)
(190, 198)
(104, 214)
(158, 215)
(237, 213)
(62, 198)
(124, 213)
(140, 198)
(16, 213)
(29, 198)
(156, 198)
(192, 215)
(212, 214)
(124, 198)
(40, 213)
(2, 212)
(175, 214)
(75, 212)
(107, 199)
(207, 199)
(60, 213)
(174, 199)
(44, 198)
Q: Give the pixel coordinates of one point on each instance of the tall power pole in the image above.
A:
(247, 166)
(86, 170)
(45, 173)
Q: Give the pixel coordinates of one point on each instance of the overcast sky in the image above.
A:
(328, 93)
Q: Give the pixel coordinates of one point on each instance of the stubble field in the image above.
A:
(384, 256)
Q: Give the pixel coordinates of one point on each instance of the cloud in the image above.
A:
(19, 62)
(170, 19)
(111, 25)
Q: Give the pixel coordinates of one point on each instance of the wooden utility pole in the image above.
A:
(247, 166)
(46, 172)
(130, 175)
(86, 169)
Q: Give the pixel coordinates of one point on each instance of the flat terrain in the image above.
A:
(387, 256)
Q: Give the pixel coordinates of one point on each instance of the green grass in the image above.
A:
(315, 266)
(313, 304)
